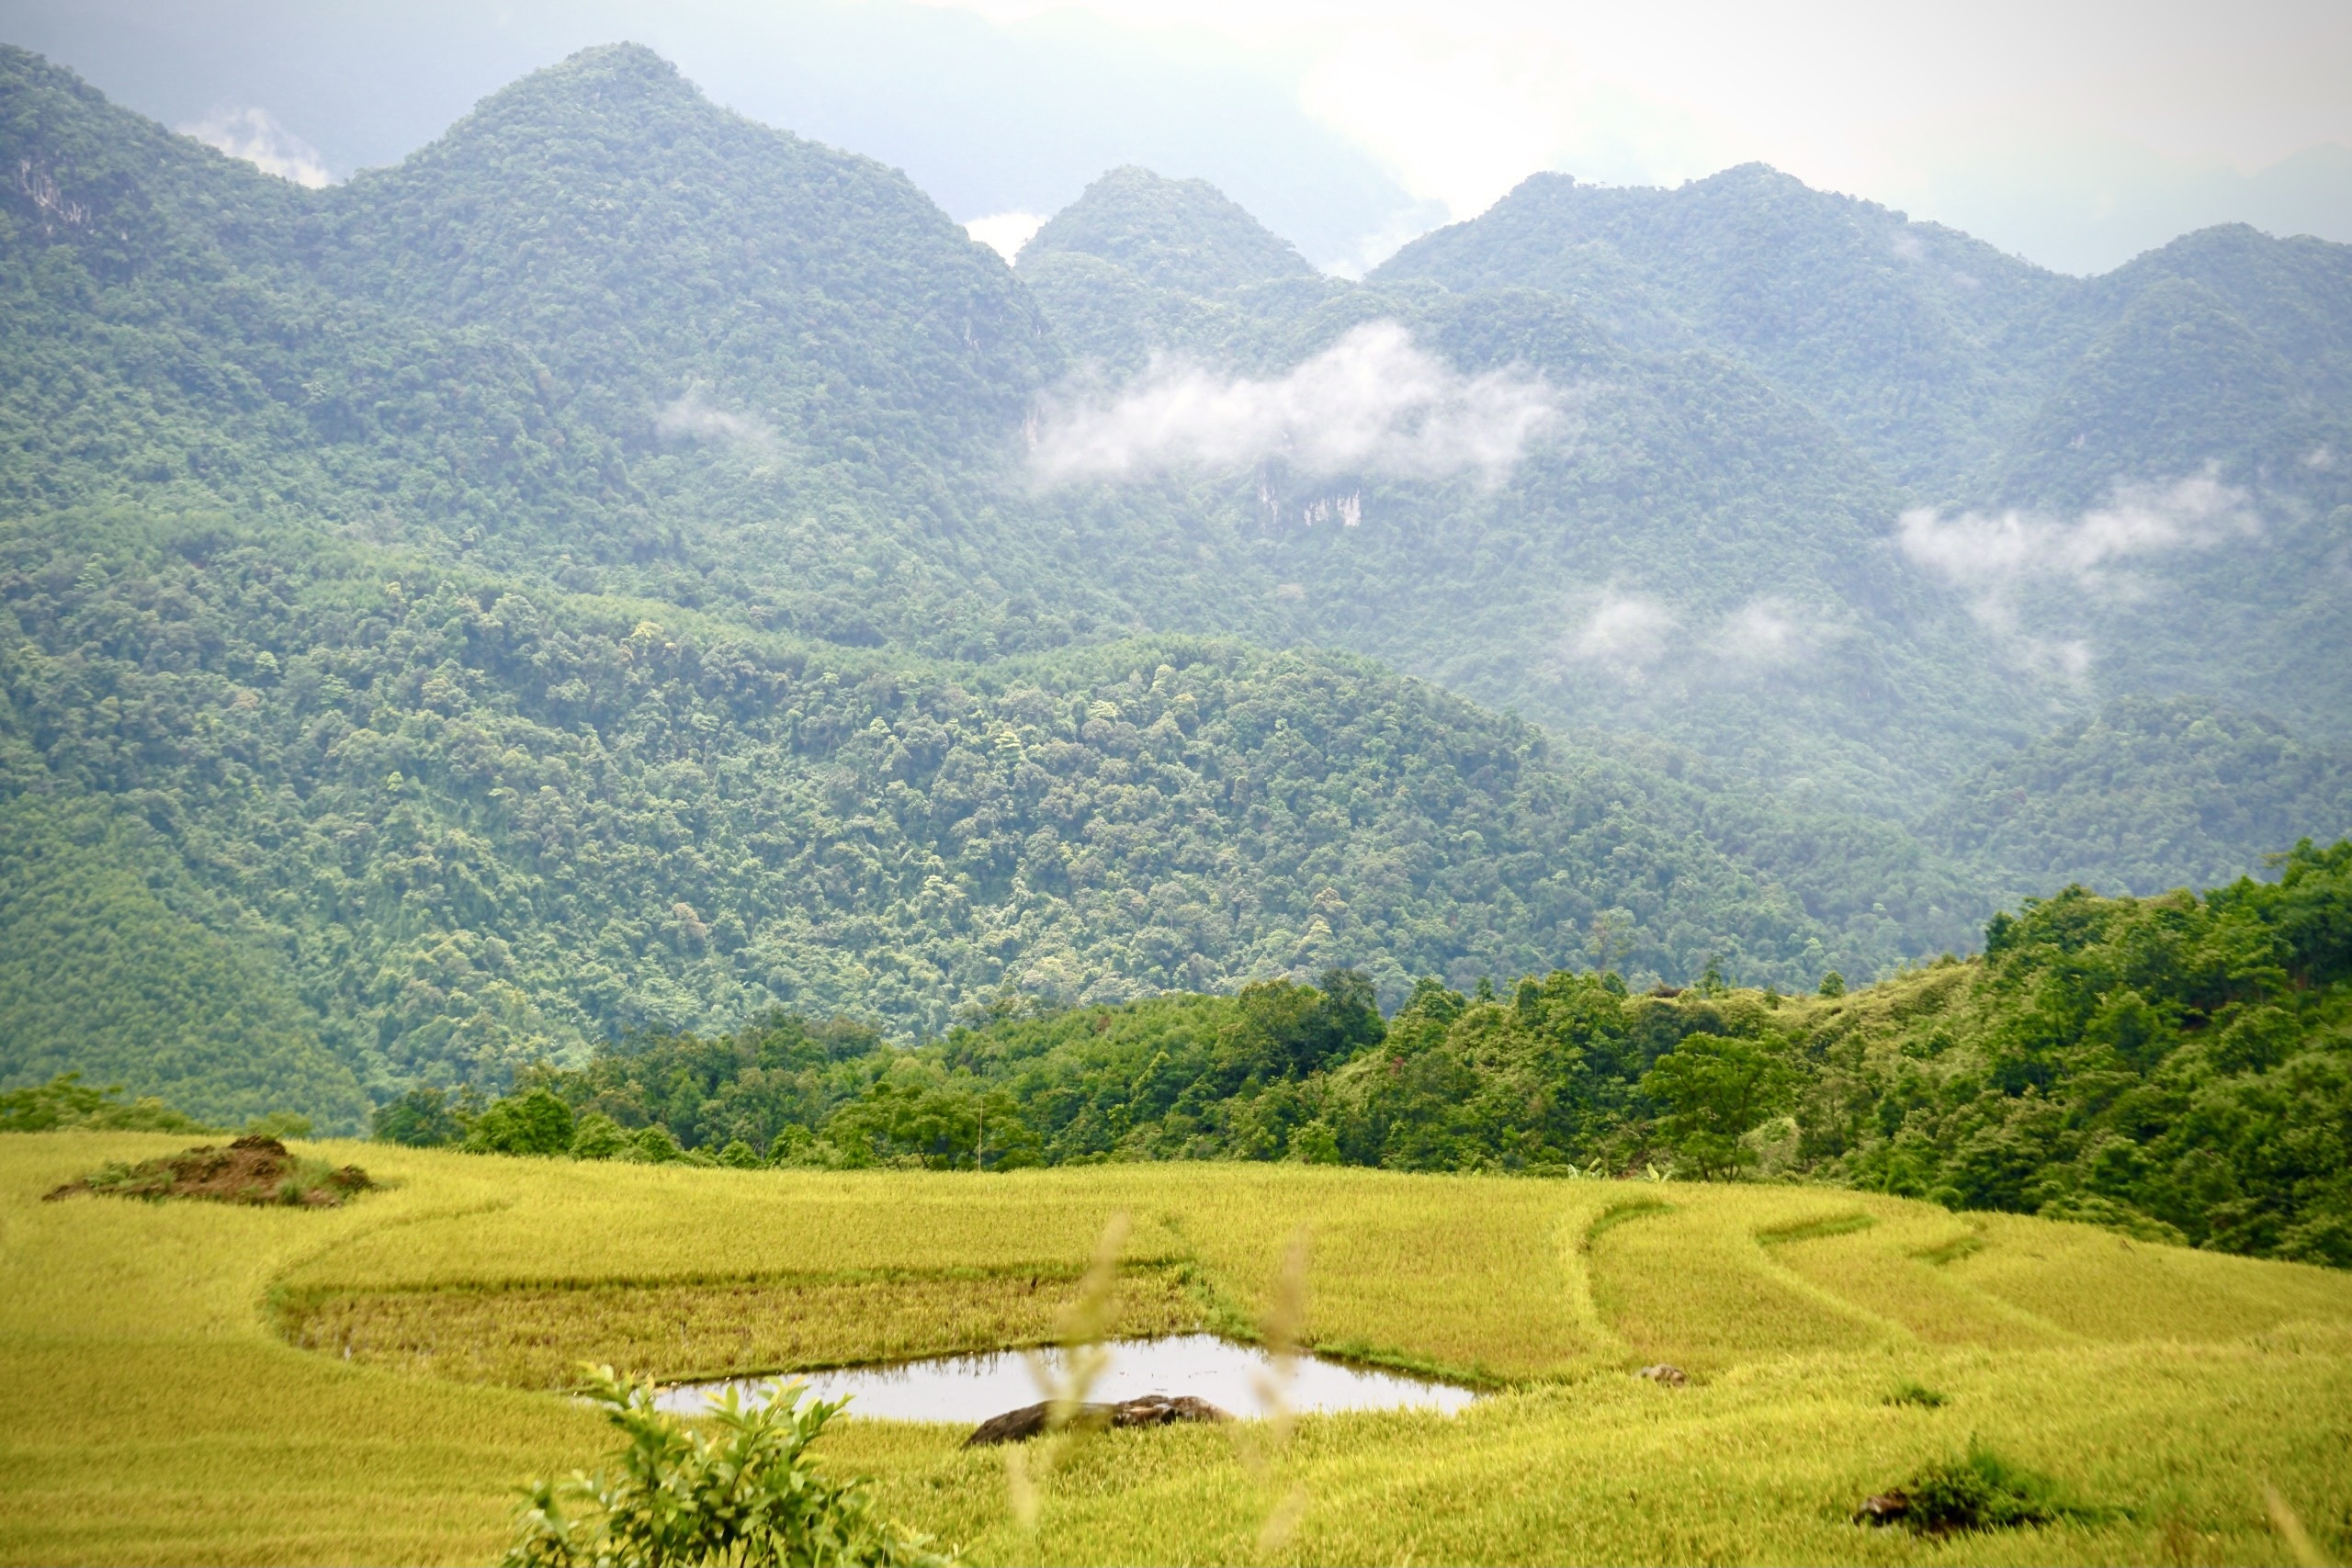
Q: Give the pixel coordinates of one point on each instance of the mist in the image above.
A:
(1374, 403)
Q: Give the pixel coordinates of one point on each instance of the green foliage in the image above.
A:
(1982, 1491)
(1833, 985)
(2176, 1067)
(745, 1491)
(64, 1102)
(2147, 795)
(426, 1117)
(535, 1122)
(597, 1136)
(1715, 1091)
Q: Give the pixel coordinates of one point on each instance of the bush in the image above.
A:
(744, 1491)
(532, 1123)
(1980, 1492)
(65, 1102)
(598, 1137)
(425, 1118)
(654, 1145)
(739, 1156)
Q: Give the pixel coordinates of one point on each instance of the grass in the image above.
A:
(172, 1418)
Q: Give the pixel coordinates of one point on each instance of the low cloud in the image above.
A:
(254, 135)
(693, 417)
(2103, 552)
(1626, 633)
(1637, 639)
(1767, 633)
(1375, 402)
(1005, 233)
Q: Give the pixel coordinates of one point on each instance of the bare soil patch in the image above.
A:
(250, 1171)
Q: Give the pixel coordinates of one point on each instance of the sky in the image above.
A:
(2074, 134)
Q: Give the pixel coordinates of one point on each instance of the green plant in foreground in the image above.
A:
(744, 1491)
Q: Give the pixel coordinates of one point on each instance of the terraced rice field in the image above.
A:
(217, 1384)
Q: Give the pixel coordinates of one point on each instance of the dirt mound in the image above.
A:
(250, 1171)
(1151, 1410)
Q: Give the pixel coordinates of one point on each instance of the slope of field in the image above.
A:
(2165, 1385)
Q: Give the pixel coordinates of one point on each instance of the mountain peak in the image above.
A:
(1181, 234)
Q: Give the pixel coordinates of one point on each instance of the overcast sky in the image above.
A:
(2074, 134)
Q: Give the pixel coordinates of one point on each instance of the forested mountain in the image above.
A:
(2137, 481)
(2173, 1067)
(2144, 796)
(626, 567)
(1923, 345)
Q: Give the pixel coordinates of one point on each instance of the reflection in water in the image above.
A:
(973, 1388)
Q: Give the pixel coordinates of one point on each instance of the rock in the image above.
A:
(1150, 1410)
(1672, 1376)
(1886, 1508)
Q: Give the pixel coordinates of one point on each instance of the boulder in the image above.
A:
(1150, 1410)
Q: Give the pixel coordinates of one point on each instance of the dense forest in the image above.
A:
(592, 582)
(2178, 1068)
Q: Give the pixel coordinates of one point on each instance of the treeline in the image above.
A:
(2179, 1068)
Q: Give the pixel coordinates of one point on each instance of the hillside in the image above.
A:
(517, 599)
(2174, 1067)
(2135, 482)
(461, 828)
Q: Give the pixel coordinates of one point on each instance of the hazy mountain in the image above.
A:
(627, 566)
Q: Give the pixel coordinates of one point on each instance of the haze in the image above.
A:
(2075, 136)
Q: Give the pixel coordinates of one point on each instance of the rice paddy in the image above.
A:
(215, 1384)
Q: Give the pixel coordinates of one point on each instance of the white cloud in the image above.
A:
(693, 417)
(1993, 557)
(1986, 552)
(1005, 233)
(1375, 402)
(1625, 632)
(1765, 633)
(254, 135)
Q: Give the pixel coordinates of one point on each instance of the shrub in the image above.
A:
(654, 1145)
(598, 1137)
(744, 1491)
(532, 1123)
(1980, 1491)
(739, 1156)
(427, 1118)
(66, 1102)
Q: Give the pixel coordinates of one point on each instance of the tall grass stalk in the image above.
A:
(1261, 1451)
(1027, 1466)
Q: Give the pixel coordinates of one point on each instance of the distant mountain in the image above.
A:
(611, 572)
(2145, 796)
(1923, 345)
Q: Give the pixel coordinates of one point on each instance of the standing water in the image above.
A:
(973, 1388)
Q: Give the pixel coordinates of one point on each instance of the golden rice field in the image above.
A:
(201, 1383)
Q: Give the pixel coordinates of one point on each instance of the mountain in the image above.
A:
(1922, 346)
(2146, 796)
(611, 573)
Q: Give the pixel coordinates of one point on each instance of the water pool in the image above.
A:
(973, 1388)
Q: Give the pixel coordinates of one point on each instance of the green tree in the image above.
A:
(1717, 1089)
(537, 1123)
